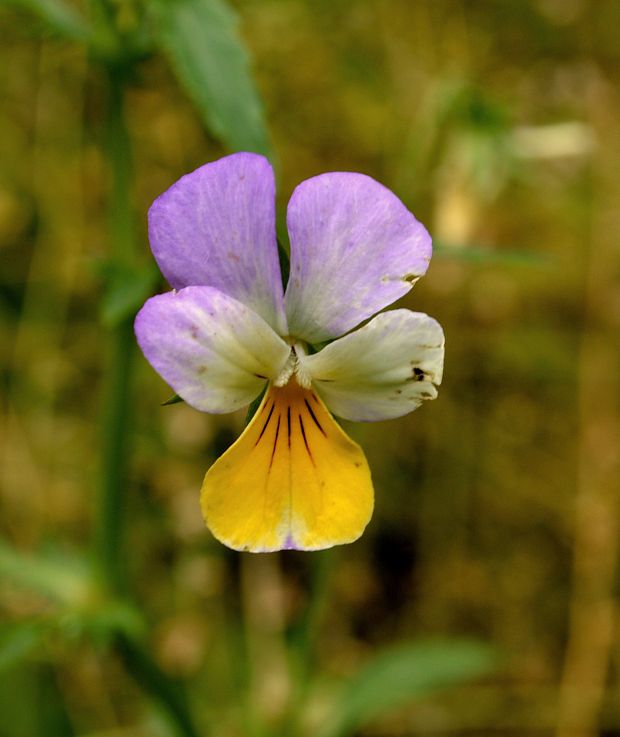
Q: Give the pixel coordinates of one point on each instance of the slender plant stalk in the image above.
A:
(117, 389)
(168, 694)
(593, 621)
(237, 646)
(116, 436)
(262, 595)
(302, 646)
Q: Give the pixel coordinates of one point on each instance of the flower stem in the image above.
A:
(303, 639)
(147, 674)
(109, 550)
(109, 537)
(117, 389)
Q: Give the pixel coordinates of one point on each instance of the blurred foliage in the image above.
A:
(398, 675)
(496, 514)
(212, 64)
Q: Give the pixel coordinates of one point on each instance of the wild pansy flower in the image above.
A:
(293, 479)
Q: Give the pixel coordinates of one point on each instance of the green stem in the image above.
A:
(109, 547)
(304, 637)
(150, 678)
(237, 646)
(117, 397)
(109, 551)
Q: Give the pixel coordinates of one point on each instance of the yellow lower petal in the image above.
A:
(293, 479)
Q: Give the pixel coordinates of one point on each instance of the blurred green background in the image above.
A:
(482, 599)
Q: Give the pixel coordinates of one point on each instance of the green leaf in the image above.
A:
(55, 576)
(58, 16)
(211, 63)
(402, 674)
(18, 640)
(174, 399)
(285, 262)
(127, 289)
(484, 255)
(254, 405)
(100, 620)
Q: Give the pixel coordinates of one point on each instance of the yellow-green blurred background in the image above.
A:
(496, 122)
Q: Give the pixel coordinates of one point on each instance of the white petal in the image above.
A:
(215, 352)
(385, 369)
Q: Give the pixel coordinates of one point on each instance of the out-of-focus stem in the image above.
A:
(302, 649)
(116, 417)
(152, 680)
(237, 647)
(116, 435)
(117, 388)
(263, 609)
(593, 610)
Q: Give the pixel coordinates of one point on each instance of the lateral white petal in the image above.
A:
(383, 370)
(215, 352)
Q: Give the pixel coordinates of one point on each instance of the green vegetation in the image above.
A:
(482, 599)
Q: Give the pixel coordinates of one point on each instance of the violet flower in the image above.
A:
(293, 479)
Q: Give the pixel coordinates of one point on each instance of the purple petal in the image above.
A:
(355, 248)
(215, 352)
(216, 227)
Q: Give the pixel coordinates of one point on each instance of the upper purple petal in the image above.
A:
(216, 227)
(355, 248)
